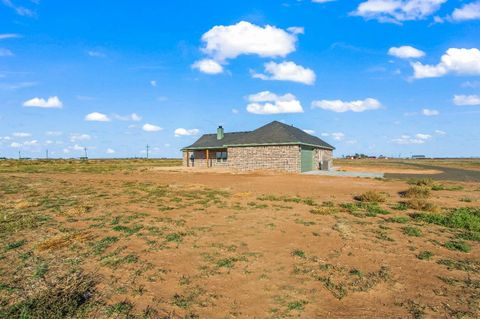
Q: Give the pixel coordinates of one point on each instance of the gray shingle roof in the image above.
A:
(272, 133)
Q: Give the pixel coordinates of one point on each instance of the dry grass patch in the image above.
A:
(422, 204)
(416, 192)
(62, 241)
(371, 197)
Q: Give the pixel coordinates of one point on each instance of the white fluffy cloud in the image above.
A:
(79, 137)
(208, 66)
(322, 1)
(4, 36)
(287, 71)
(53, 133)
(110, 151)
(266, 102)
(396, 11)
(407, 139)
(458, 61)
(311, 132)
(342, 106)
(470, 100)
(96, 54)
(429, 112)
(228, 42)
(470, 11)
(51, 102)
(21, 134)
(5, 52)
(186, 132)
(129, 117)
(405, 52)
(337, 136)
(151, 128)
(26, 144)
(97, 117)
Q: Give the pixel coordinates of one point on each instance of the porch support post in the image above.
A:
(208, 158)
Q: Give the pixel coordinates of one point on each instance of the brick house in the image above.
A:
(275, 146)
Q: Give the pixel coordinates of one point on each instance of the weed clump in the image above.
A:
(399, 219)
(65, 297)
(458, 245)
(425, 255)
(428, 182)
(467, 218)
(371, 197)
(412, 231)
(416, 192)
(421, 204)
(298, 253)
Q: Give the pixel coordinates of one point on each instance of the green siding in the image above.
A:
(306, 159)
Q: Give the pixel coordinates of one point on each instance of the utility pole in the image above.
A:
(19, 155)
(85, 149)
(46, 153)
(148, 147)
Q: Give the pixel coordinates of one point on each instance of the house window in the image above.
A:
(221, 156)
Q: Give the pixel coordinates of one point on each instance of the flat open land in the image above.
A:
(133, 239)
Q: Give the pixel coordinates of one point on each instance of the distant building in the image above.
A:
(275, 146)
(418, 156)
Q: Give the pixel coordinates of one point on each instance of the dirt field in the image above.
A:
(125, 239)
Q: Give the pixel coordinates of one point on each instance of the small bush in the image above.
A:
(399, 219)
(416, 192)
(298, 253)
(371, 197)
(469, 235)
(421, 182)
(412, 231)
(425, 255)
(421, 204)
(458, 245)
(15, 245)
(401, 206)
(297, 305)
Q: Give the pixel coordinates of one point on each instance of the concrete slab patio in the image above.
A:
(334, 172)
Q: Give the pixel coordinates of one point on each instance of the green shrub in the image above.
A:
(467, 218)
(399, 219)
(15, 245)
(458, 245)
(412, 231)
(298, 253)
(425, 255)
(401, 206)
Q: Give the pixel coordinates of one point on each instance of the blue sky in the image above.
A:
(384, 77)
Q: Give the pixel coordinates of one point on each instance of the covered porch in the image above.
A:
(214, 157)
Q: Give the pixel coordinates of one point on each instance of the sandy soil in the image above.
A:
(221, 245)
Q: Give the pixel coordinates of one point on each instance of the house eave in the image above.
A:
(256, 144)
